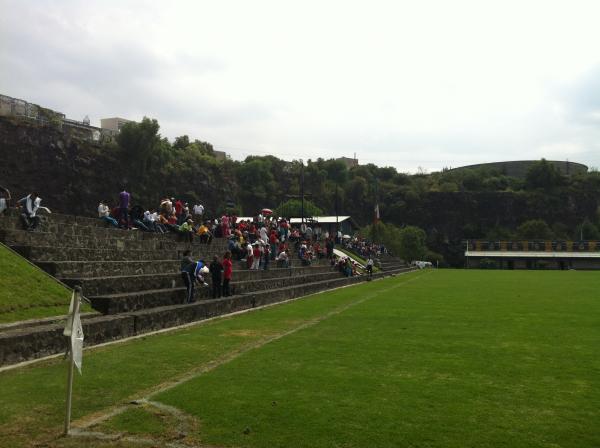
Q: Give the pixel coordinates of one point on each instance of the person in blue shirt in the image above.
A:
(192, 272)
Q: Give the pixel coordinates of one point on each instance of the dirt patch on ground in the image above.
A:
(242, 333)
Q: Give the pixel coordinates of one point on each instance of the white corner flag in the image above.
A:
(74, 331)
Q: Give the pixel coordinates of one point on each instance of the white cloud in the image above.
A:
(408, 84)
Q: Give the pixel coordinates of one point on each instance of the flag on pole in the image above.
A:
(376, 213)
(74, 331)
(69, 325)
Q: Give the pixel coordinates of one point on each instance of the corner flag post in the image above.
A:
(74, 332)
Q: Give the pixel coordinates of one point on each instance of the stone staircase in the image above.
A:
(132, 278)
(389, 263)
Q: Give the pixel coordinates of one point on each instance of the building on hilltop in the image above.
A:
(15, 107)
(23, 110)
(519, 168)
(350, 163)
(113, 124)
(219, 155)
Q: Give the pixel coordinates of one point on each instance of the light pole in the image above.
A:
(337, 224)
(302, 191)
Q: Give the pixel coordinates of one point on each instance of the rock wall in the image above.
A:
(72, 175)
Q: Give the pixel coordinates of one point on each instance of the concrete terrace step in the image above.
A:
(28, 343)
(133, 301)
(102, 285)
(121, 240)
(63, 269)
(126, 302)
(39, 238)
(73, 229)
(168, 316)
(52, 253)
(392, 266)
(61, 218)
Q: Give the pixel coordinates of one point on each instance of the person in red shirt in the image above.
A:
(179, 211)
(273, 240)
(256, 254)
(227, 273)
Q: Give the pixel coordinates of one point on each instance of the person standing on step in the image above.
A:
(329, 245)
(227, 273)
(124, 199)
(249, 255)
(369, 268)
(179, 211)
(256, 254)
(187, 269)
(198, 211)
(215, 269)
(266, 255)
(192, 272)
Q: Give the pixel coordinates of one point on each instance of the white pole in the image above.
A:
(71, 363)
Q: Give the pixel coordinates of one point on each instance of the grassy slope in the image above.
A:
(453, 358)
(28, 293)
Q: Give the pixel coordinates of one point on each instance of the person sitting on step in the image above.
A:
(204, 234)
(186, 230)
(104, 214)
(29, 206)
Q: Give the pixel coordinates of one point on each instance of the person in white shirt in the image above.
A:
(263, 235)
(104, 214)
(29, 206)
(198, 211)
(369, 267)
(283, 259)
(249, 255)
(150, 218)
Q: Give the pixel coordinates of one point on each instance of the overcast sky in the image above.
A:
(408, 84)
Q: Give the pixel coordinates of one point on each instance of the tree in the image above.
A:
(293, 209)
(534, 229)
(181, 142)
(336, 171)
(586, 231)
(543, 175)
(139, 142)
(412, 243)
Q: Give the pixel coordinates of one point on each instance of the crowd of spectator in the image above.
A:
(363, 247)
(258, 242)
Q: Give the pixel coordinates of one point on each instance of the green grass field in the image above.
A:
(28, 293)
(429, 359)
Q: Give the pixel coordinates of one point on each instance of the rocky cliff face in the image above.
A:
(72, 175)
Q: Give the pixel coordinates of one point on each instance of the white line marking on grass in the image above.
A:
(84, 423)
